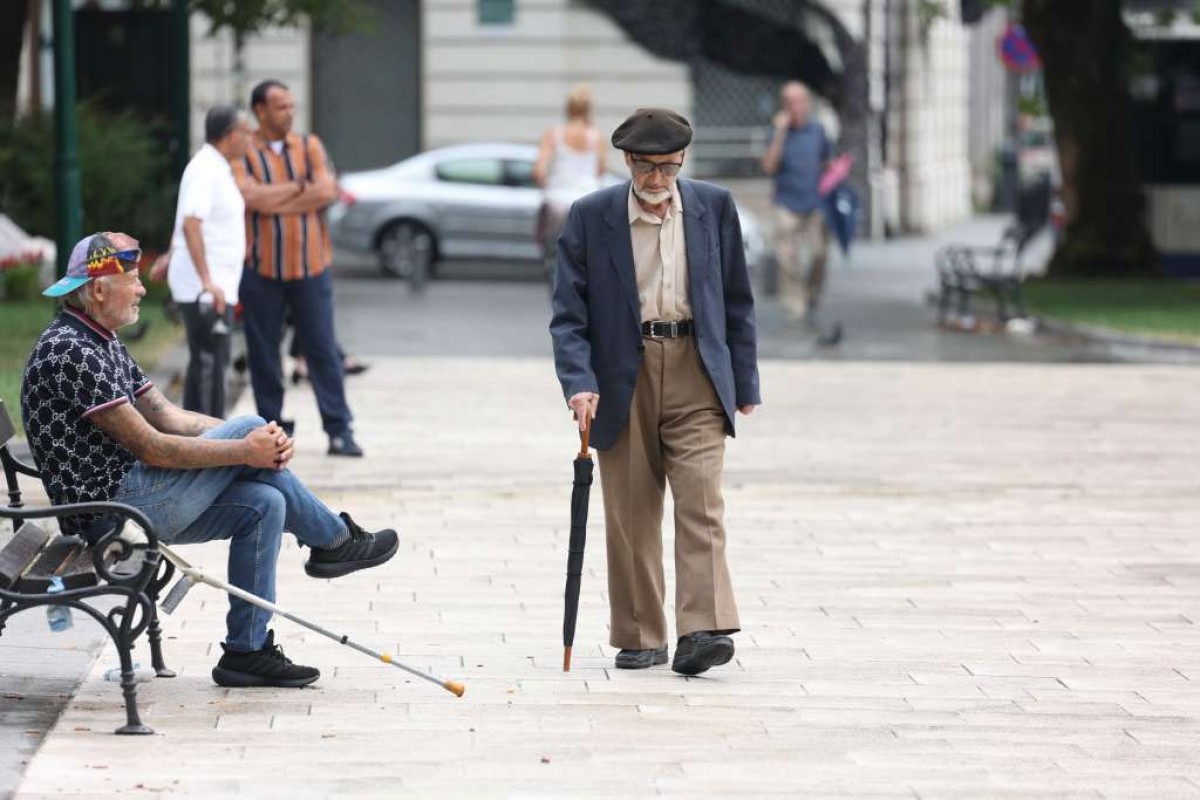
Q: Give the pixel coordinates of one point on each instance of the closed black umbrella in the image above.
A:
(579, 513)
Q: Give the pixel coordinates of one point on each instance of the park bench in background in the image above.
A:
(967, 270)
(122, 569)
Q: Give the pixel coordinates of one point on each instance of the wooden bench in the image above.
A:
(123, 565)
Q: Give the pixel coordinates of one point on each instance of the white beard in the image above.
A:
(653, 198)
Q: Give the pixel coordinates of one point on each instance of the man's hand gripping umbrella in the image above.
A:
(192, 575)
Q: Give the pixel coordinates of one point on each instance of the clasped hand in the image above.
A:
(269, 447)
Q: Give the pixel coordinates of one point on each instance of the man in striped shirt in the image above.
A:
(286, 181)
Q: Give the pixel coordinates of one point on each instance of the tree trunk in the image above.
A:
(12, 36)
(1084, 46)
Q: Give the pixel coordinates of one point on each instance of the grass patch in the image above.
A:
(21, 322)
(1163, 309)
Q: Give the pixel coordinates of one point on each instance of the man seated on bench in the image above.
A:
(99, 430)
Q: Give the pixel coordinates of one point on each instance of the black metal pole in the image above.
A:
(68, 201)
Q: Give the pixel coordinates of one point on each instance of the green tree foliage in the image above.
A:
(247, 17)
(123, 168)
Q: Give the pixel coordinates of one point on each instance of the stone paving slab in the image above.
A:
(955, 580)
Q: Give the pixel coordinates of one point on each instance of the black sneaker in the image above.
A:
(364, 550)
(344, 445)
(265, 667)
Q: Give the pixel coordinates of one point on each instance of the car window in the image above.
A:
(520, 173)
(487, 171)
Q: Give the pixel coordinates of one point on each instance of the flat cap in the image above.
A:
(653, 132)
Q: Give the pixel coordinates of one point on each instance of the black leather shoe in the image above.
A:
(640, 659)
(697, 652)
(344, 445)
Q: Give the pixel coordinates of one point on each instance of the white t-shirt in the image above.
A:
(208, 192)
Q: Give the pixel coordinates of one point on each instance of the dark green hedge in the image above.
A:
(124, 170)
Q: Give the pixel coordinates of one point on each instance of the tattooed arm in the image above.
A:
(266, 447)
(166, 417)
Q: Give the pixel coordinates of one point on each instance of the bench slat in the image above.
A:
(68, 558)
(20, 552)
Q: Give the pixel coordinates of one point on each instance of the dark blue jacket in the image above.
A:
(597, 315)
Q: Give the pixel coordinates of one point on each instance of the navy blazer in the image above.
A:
(597, 319)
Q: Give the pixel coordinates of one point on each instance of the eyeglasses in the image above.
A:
(668, 169)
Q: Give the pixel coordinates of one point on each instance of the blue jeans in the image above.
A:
(251, 507)
(265, 303)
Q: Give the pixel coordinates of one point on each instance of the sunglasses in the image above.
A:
(668, 169)
(114, 263)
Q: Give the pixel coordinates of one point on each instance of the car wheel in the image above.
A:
(406, 251)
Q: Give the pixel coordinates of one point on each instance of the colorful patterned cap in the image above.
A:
(100, 254)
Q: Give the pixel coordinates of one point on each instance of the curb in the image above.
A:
(1125, 346)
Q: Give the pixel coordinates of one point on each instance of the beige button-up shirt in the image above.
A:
(660, 260)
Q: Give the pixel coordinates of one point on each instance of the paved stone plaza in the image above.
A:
(955, 580)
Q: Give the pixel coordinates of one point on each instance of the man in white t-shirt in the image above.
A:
(208, 249)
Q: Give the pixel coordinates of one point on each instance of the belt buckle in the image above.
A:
(663, 329)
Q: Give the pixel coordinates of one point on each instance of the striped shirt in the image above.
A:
(286, 247)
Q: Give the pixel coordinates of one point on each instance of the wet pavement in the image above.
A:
(879, 295)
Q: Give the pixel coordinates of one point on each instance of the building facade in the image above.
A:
(438, 72)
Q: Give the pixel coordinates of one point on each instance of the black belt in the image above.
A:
(659, 329)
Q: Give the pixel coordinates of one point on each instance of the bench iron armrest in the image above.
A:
(10, 461)
(110, 547)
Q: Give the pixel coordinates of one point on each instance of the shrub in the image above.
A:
(124, 172)
(20, 276)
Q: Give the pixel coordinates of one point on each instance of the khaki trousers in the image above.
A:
(800, 237)
(676, 433)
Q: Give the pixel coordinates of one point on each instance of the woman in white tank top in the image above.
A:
(570, 161)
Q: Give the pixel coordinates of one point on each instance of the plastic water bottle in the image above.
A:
(140, 674)
(58, 617)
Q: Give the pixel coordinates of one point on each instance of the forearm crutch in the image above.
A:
(189, 576)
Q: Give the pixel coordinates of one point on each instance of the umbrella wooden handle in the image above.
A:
(584, 435)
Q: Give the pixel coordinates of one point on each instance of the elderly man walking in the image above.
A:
(205, 261)
(796, 157)
(287, 181)
(99, 430)
(655, 347)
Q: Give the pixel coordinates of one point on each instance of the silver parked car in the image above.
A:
(462, 202)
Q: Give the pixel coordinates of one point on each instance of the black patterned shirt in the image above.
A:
(76, 369)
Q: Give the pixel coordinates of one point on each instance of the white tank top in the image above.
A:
(572, 172)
